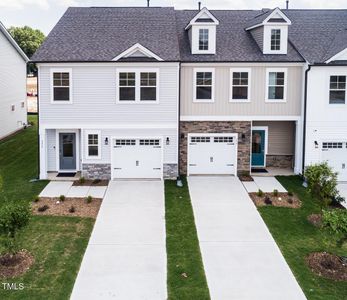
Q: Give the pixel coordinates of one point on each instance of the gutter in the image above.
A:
(304, 123)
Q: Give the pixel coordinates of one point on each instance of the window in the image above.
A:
(240, 82)
(149, 142)
(127, 86)
(223, 139)
(93, 145)
(276, 85)
(203, 39)
(275, 39)
(203, 91)
(137, 86)
(125, 142)
(337, 90)
(148, 86)
(200, 139)
(13, 107)
(61, 86)
(332, 145)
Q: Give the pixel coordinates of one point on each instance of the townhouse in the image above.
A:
(158, 92)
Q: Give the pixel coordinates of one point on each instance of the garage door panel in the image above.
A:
(335, 153)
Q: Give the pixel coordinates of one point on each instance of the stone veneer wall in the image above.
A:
(103, 171)
(280, 161)
(239, 127)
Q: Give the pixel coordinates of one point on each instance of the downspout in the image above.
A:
(304, 123)
(179, 181)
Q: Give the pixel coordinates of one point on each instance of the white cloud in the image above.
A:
(21, 4)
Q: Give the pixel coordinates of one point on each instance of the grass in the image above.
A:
(57, 243)
(183, 252)
(296, 238)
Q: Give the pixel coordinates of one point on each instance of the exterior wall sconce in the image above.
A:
(316, 144)
(243, 137)
(167, 141)
(106, 141)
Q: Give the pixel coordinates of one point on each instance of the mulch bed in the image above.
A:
(62, 208)
(15, 265)
(88, 182)
(315, 219)
(327, 265)
(282, 200)
(246, 178)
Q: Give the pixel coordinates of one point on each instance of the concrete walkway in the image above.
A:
(126, 254)
(241, 259)
(266, 184)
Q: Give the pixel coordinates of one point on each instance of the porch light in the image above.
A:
(316, 144)
(167, 141)
(243, 136)
(106, 141)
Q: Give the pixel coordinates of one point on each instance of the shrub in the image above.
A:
(89, 199)
(37, 199)
(96, 181)
(260, 193)
(290, 194)
(267, 200)
(336, 222)
(13, 218)
(43, 208)
(275, 193)
(322, 183)
(62, 198)
(72, 209)
(82, 180)
(290, 201)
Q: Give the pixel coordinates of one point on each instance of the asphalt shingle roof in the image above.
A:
(100, 34)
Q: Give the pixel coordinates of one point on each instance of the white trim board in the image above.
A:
(135, 48)
(108, 126)
(239, 118)
(340, 55)
(203, 11)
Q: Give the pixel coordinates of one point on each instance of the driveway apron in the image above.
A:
(241, 259)
(126, 254)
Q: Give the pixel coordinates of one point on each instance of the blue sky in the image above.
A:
(44, 14)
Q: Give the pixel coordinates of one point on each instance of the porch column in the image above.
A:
(43, 154)
(298, 146)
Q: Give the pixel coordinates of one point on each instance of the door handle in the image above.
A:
(211, 159)
(343, 166)
(137, 163)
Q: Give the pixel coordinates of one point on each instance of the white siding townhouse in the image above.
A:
(174, 92)
(13, 112)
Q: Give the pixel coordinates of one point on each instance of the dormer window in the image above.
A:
(275, 39)
(203, 39)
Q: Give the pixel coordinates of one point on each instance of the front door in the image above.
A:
(258, 148)
(67, 151)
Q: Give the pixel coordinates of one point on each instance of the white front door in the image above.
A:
(137, 158)
(212, 154)
(335, 153)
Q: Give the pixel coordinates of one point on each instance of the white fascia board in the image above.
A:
(240, 118)
(107, 126)
(278, 11)
(204, 10)
(133, 49)
(336, 56)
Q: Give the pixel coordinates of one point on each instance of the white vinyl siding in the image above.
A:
(51, 150)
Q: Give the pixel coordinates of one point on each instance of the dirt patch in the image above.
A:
(87, 182)
(15, 265)
(315, 220)
(281, 200)
(327, 265)
(246, 178)
(77, 207)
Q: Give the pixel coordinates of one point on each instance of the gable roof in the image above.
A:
(102, 33)
(13, 42)
(137, 50)
(267, 16)
(203, 16)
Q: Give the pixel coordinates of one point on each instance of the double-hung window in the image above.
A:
(61, 86)
(203, 39)
(275, 39)
(134, 86)
(337, 89)
(276, 85)
(240, 85)
(93, 144)
(203, 85)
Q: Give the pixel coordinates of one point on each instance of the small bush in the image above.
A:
(62, 198)
(72, 209)
(275, 193)
(290, 201)
(89, 199)
(336, 222)
(260, 193)
(43, 208)
(267, 200)
(82, 180)
(36, 199)
(290, 194)
(96, 181)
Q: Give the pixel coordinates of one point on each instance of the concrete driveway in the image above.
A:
(126, 254)
(241, 259)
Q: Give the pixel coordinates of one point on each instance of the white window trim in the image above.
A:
(196, 70)
(328, 93)
(87, 132)
(61, 70)
(268, 71)
(137, 85)
(280, 40)
(208, 40)
(249, 71)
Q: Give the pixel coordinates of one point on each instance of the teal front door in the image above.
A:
(258, 148)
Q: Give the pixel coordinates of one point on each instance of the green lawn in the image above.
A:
(296, 238)
(183, 252)
(57, 243)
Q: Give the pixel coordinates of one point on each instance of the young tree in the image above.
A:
(13, 218)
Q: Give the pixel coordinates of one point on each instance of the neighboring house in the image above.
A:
(13, 113)
(225, 89)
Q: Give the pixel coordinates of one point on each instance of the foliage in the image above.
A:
(322, 183)
(335, 221)
(260, 193)
(290, 193)
(72, 209)
(43, 208)
(13, 217)
(275, 192)
(82, 180)
(89, 199)
(62, 198)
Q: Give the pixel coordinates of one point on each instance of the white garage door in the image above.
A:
(212, 154)
(136, 158)
(336, 155)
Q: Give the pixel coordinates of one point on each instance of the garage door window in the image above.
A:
(125, 142)
(337, 91)
(223, 139)
(93, 145)
(332, 145)
(200, 139)
(149, 142)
